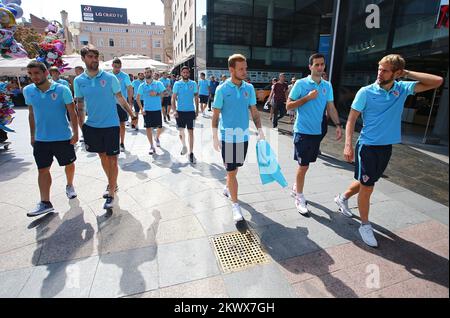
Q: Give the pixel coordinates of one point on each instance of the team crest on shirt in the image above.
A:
(365, 178)
(54, 96)
(103, 83)
(246, 95)
(324, 91)
(396, 93)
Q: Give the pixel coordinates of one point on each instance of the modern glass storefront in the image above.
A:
(275, 35)
(279, 36)
(407, 27)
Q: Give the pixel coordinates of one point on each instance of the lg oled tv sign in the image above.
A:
(104, 14)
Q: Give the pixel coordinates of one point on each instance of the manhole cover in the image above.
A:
(237, 251)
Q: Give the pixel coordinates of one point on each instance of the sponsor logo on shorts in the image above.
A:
(365, 178)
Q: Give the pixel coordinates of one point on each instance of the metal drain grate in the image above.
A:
(237, 251)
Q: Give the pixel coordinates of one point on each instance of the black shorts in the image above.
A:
(234, 155)
(371, 162)
(153, 119)
(306, 148)
(204, 99)
(136, 106)
(186, 120)
(44, 152)
(123, 115)
(167, 101)
(102, 140)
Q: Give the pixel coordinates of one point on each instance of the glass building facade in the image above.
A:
(275, 35)
(279, 36)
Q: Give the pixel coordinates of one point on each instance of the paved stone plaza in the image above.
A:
(158, 241)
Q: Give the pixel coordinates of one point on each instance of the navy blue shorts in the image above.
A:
(371, 162)
(102, 140)
(234, 154)
(186, 120)
(44, 152)
(306, 148)
(153, 119)
(204, 99)
(123, 115)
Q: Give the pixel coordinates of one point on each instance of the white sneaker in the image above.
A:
(237, 213)
(41, 208)
(184, 150)
(152, 151)
(226, 192)
(367, 235)
(301, 205)
(70, 192)
(343, 206)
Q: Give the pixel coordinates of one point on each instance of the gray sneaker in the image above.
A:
(367, 235)
(41, 208)
(184, 150)
(70, 192)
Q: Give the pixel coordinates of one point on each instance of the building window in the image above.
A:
(158, 57)
(84, 42)
(157, 43)
(185, 39)
(181, 45)
(133, 44)
(185, 8)
(111, 42)
(144, 44)
(191, 29)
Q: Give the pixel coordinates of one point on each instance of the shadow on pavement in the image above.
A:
(415, 259)
(280, 240)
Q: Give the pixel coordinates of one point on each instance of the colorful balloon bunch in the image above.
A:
(6, 105)
(53, 47)
(10, 10)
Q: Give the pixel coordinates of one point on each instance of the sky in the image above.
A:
(138, 10)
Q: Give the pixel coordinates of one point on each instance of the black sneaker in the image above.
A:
(122, 148)
(109, 204)
(192, 159)
(106, 194)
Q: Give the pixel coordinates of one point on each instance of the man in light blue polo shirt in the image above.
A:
(184, 93)
(151, 92)
(310, 97)
(100, 91)
(136, 83)
(51, 135)
(203, 90)
(127, 93)
(167, 96)
(55, 74)
(233, 101)
(381, 106)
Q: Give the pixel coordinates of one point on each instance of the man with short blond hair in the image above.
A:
(233, 101)
(381, 106)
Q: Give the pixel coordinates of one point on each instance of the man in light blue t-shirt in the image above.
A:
(127, 93)
(381, 106)
(136, 83)
(151, 93)
(185, 92)
(100, 91)
(203, 92)
(167, 96)
(310, 98)
(234, 101)
(55, 74)
(50, 131)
